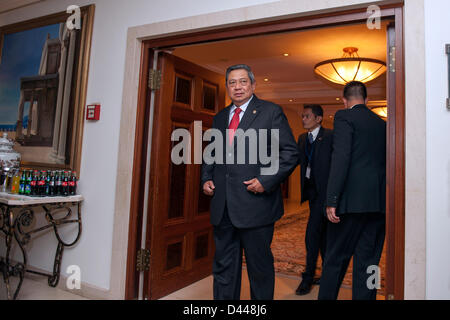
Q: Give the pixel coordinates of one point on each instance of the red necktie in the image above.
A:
(233, 125)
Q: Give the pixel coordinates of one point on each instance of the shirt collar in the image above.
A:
(315, 132)
(356, 104)
(243, 107)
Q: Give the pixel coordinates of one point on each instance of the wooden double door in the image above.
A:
(179, 234)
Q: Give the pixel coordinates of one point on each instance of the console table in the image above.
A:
(17, 214)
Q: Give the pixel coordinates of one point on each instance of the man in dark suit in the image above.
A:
(314, 147)
(246, 203)
(356, 197)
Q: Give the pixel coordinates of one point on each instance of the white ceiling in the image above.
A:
(293, 77)
(8, 5)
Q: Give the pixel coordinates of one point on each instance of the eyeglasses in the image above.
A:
(242, 82)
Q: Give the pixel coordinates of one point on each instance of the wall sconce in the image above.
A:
(447, 51)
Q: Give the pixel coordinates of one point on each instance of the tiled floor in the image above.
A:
(202, 290)
(284, 290)
(37, 290)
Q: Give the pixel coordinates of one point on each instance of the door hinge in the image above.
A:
(154, 79)
(143, 260)
(391, 59)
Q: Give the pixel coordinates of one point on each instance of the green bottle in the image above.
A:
(23, 182)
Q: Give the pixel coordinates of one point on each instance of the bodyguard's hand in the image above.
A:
(254, 186)
(208, 188)
(331, 215)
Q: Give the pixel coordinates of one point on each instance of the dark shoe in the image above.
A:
(303, 288)
(316, 281)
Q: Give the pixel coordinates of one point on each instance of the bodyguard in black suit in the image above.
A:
(245, 203)
(314, 148)
(356, 198)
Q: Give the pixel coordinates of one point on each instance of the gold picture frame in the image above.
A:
(51, 134)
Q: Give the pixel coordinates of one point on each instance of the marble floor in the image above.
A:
(285, 287)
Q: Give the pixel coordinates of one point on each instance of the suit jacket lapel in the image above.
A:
(318, 143)
(250, 114)
(223, 122)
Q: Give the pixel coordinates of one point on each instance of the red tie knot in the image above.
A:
(237, 111)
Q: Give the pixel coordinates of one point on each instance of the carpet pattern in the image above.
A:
(288, 245)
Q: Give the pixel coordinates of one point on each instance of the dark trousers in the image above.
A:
(227, 266)
(361, 236)
(315, 238)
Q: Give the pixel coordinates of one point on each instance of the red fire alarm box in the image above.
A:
(93, 112)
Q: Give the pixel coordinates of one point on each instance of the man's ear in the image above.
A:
(320, 118)
(345, 103)
(366, 101)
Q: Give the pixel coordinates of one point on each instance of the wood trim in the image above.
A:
(395, 217)
(265, 28)
(138, 179)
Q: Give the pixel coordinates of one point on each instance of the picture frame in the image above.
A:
(44, 65)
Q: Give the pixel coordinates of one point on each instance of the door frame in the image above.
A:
(395, 179)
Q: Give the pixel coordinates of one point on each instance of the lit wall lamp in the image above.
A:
(447, 51)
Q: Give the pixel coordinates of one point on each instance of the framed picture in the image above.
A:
(44, 65)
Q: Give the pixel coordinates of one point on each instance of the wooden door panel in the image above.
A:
(181, 240)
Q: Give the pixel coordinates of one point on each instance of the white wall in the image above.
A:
(101, 139)
(437, 24)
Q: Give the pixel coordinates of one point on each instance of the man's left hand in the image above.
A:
(331, 214)
(254, 186)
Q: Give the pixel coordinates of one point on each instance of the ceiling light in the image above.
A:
(350, 67)
(266, 79)
(380, 111)
(286, 54)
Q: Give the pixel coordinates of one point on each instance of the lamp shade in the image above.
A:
(350, 68)
(380, 111)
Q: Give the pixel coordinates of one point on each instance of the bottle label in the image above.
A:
(64, 184)
(33, 183)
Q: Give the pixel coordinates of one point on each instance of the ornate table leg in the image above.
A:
(10, 225)
(53, 279)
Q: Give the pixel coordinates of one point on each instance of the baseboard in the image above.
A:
(86, 290)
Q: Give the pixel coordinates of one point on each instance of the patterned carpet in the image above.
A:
(288, 245)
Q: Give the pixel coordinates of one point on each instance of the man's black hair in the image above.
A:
(315, 108)
(355, 89)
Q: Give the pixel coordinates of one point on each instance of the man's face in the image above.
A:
(239, 87)
(309, 120)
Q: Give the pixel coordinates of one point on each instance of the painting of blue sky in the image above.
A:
(21, 57)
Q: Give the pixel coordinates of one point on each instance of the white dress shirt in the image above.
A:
(315, 133)
(243, 108)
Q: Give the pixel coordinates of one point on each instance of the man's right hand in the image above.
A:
(208, 188)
